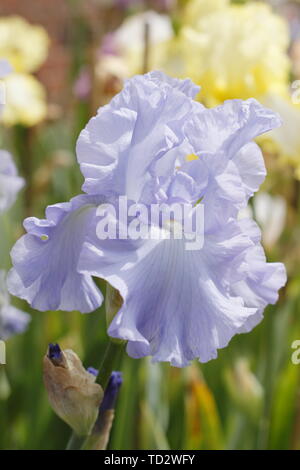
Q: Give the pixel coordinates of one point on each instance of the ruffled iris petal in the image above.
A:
(119, 146)
(222, 137)
(230, 126)
(176, 302)
(45, 259)
(258, 281)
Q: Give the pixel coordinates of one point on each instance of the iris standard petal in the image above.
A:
(230, 126)
(119, 146)
(222, 137)
(187, 87)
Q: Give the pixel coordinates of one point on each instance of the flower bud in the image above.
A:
(72, 391)
(111, 392)
(99, 438)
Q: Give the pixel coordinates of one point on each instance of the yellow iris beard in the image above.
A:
(191, 157)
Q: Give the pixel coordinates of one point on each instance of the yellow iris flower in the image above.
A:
(226, 48)
(25, 100)
(286, 139)
(25, 46)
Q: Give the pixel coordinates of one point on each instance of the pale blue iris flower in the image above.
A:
(154, 144)
(12, 320)
(10, 182)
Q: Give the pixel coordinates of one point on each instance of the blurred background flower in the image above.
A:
(12, 320)
(10, 182)
(25, 46)
(26, 100)
(207, 38)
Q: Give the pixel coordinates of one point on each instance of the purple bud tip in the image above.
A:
(111, 391)
(93, 371)
(54, 351)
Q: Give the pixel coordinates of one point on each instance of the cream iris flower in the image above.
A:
(26, 100)
(227, 48)
(286, 140)
(231, 50)
(25, 46)
(129, 39)
(198, 8)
